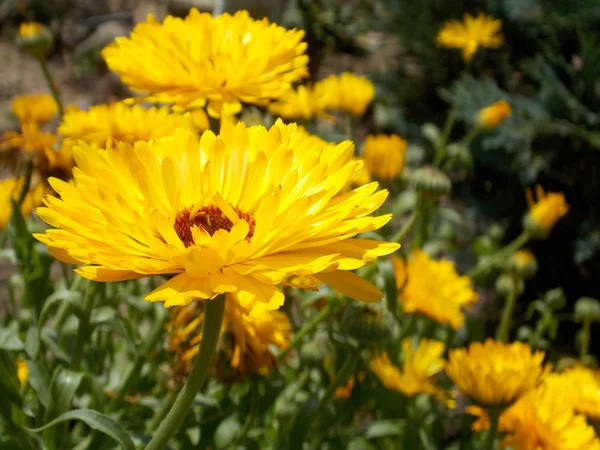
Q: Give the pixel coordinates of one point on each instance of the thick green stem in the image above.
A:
(134, 372)
(341, 377)
(213, 318)
(509, 307)
(585, 338)
(53, 89)
(84, 325)
(163, 409)
(308, 328)
(408, 225)
(490, 442)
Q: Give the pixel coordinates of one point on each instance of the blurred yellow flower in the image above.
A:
(494, 115)
(472, 33)
(385, 155)
(121, 122)
(545, 212)
(523, 258)
(22, 372)
(222, 60)
(37, 108)
(346, 92)
(10, 189)
(583, 387)
(362, 176)
(495, 374)
(433, 288)
(30, 29)
(238, 212)
(31, 139)
(419, 367)
(304, 102)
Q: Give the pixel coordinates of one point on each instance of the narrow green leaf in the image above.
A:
(384, 428)
(96, 421)
(49, 338)
(9, 340)
(20, 236)
(63, 386)
(39, 379)
(9, 383)
(32, 343)
(73, 297)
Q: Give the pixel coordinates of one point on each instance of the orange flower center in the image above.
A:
(210, 218)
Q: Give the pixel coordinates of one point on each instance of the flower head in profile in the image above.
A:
(10, 189)
(545, 212)
(433, 288)
(495, 374)
(202, 59)
(304, 102)
(235, 213)
(470, 34)
(36, 108)
(121, 122)
(385, 155)
(417, 372)
(493, 115)
(347, 92)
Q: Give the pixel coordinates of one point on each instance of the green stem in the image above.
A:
(163, 409)
(490, 442)
(84, 325)
(342, 376)
(254, 409)
(425, 215)
(134, 372)
(441, 150)
(507, 313)
(408, 225)
(52, 86)
(308, 328)
(348, 127)
(26, 183)
(497, 257)
(585, 338)
(472, 134)
(213, 317)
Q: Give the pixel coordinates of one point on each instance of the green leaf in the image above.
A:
(227, 432)
(63, 386)
(9, 383)
(96, 421)
(39, 379)
(9, 340)
(432, 133)
(49, 338)
(73, 297)
(22, 240)
(301, 424)
(32, 343)
(384, 428)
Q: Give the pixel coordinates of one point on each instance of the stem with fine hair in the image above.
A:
(490, 442)
(510, 248)
(53, 89)
(441, 149)
(213, 318)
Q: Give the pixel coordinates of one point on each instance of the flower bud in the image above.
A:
(35, 39)
(430, 182)
(587, 308)
(508, 284)
(543, 213)
(365, 323)
(555, 299)
(492, 116)
(523, 262)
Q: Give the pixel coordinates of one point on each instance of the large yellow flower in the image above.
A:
(472, 33)
(433, 288)
(495, 374)
(237, 213)
(304, 102)
(545, 212)
(385, 155)
(347, 92)
(122, 123)
(419, 367)
(583, 386)
(221, 60)
(10, 189)
(37, 108)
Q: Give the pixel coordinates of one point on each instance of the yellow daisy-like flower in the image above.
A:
(31, 139)
(305, 102)
(30, 29)
(22, 372)
(222, 60)
(238, 213)
(37, 108)
(121, 122)
(495, 374)
(10, 189)
(545, 212)
(385, 155)
(494, 115)
(419, 367)
(472, 33)
(433, 288)
(347, 92)
(583, 386)
(245, 345)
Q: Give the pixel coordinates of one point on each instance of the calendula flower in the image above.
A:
(222, 60)
(385, 155)
(22, 372)
(493, 115)
(472, 33)
(583, 387)
(245, 346)
(418, 370)
(121, 122)
(347, 92)
(238, 213)
(495, 374)
(545, 212)
(37, 108)
(304, 102)
(433, 288)
(10, 189)
(34, 38)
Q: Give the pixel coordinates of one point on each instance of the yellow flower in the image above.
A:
(545, 212)
(494, 373)
(10, 189)
(31, 139)
(246, 343)
(221, 60)
(239, 213)
(583, 386)
(22, 372)
(433, 288)
(419, 366)
(121, 123)
(472, 33)
(385, 155)
(30, 29)
(305, 102)
(494, 115)
(34, 38)
(37, 108)
(523, 258)
(362, 176)
(346, 92)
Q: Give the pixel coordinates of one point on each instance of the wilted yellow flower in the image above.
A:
(545, 212)
(472, 33)
(304, 102)
(122, 123)
(433, 288)
(37, 108)
(385, 155)
(419, 367)
(238, 213)
(22, 372)
(10, 189)
(221, 60)
(245, 345)
(346, 92)
(494, 115)
(495, 373)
